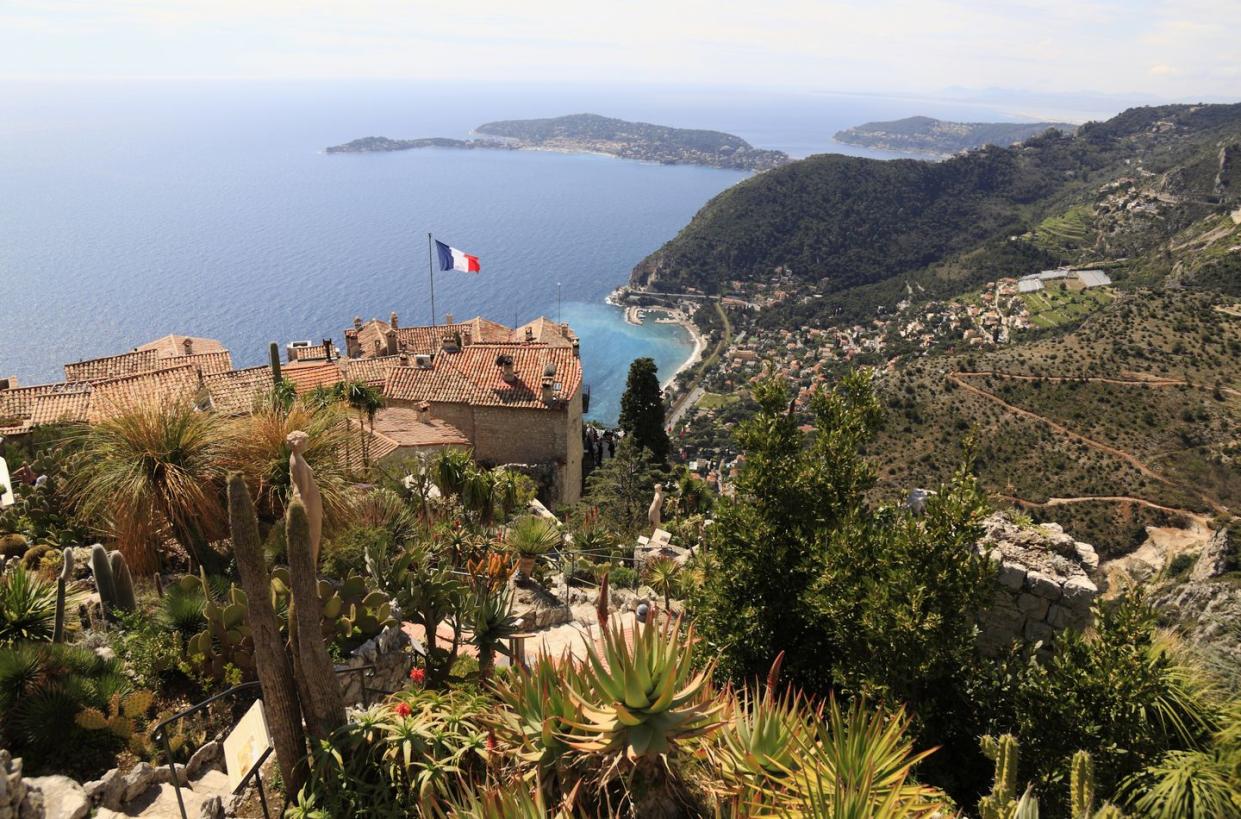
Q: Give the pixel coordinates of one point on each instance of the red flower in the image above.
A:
(418, 675)
(403, 709)
(492, 745)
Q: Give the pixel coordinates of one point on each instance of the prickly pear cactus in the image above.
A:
(226, 639)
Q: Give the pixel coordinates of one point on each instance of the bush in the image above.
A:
(27, 606)
(623, 577)
(346, 553)
(1181, 564)
(150, 654)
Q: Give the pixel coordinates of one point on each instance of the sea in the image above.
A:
(134, 209)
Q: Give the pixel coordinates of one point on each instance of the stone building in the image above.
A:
(515, 402)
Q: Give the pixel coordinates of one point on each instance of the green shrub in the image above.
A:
(1181, 564)
(346, 553)
(149, 652)
(623, 577)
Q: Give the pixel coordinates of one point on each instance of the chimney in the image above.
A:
(404, 359)
(357, 322)
(451, 343)
(424, 413)
(391, 336)
(529, 335)
(564, 329)
(188, 344)
(448, 318)
(327, 348)
(577, 348)
(548, 392)
(392, 321)
(505, 363)
(378, 346)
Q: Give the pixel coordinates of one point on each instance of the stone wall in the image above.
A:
(390, 652)
(1042, 587)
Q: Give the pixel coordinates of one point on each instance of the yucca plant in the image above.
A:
(450, 469)
(382, 508)
(854, 761)
(639, 697)
(153, 464)
(662, 573)
(27, 606)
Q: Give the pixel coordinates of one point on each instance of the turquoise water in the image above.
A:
(128, 212)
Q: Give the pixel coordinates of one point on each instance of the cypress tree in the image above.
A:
(642, 409)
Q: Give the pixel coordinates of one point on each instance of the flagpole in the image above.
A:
(431, 272)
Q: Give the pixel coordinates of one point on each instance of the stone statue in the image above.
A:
(305, 488)
(654, 514)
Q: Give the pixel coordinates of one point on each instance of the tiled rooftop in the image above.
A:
(234, 392)
(113, 366)
(397, 427)
(172, 384)
(217, 361)
(472, 376)
(306, 375)
(171, 346)
(60, 407)
(370, 371)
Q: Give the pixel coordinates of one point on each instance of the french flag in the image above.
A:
(453, 259)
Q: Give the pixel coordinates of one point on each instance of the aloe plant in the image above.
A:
(640, 697)
(539, 712)
(491, 623)
(532, 536)
(761, 741)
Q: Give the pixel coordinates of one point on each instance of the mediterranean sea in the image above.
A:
(132, 210)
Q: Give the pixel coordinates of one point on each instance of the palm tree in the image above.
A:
(366, 402)
(531, 536)
(662, 574)
(152, 465)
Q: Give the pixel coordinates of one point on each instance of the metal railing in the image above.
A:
(160, 732)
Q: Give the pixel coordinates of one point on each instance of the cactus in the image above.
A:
(101, 569)
(1001, 803)
(34, 556)
(1081, 786)
(13, 545)
(319, 689)
(66, 574)
(346, 612)
(284, 710)
(122, 581)
(226, 640)
(273, 352)
(122, 718)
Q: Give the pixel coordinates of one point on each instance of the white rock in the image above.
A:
(63, 798)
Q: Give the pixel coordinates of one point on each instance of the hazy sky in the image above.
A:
(1182, 49)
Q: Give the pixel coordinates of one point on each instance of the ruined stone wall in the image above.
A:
(390, 653)
(1042, 586)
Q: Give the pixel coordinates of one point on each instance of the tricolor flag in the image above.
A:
(453, 259)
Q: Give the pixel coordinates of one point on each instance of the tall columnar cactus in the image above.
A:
(123, 582)
(1081, 786)
(66, 574)
(273, 352)
(283, 709)
(320, 692)
(1001, 803)
(101, 569)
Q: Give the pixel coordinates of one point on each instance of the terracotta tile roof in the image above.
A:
(315, 352)
(306, 375)
(18, 402)
(216, 361)
(373, 336)
(172, 346)
(110, 397)
(545, 331)
(401, 427)
(234, 392)
(58, 407)
(370, 371)
(113, 366)
(472, 376)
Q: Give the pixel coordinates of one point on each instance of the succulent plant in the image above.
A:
(66, 574)
(762, 737)
(123, 581)
(540, 711)
(101, 570)
(34, 556)
(1001, 803)
(639, 698)
(122, 718)
(348, 611)
(532, 536)
(226, 639)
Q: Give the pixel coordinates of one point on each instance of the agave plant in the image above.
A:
(531, 536)
(760, 743)
(855, 763)
(539, 712)
(639, 698)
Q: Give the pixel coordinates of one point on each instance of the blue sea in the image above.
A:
(132, 210)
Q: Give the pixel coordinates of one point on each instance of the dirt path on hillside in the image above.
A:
(1197, 518)
(1139, 380)
(1127, 457)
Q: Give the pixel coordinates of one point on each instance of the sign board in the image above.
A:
(246, 745)
(6, 486)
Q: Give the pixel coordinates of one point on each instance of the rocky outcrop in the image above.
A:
(19, 799)
(1214, 559)
(388, 654)
(1042, 583)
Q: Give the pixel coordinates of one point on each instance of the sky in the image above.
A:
(1185, 50)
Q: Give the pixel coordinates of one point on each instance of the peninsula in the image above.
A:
(940, 138)
(592, 133)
